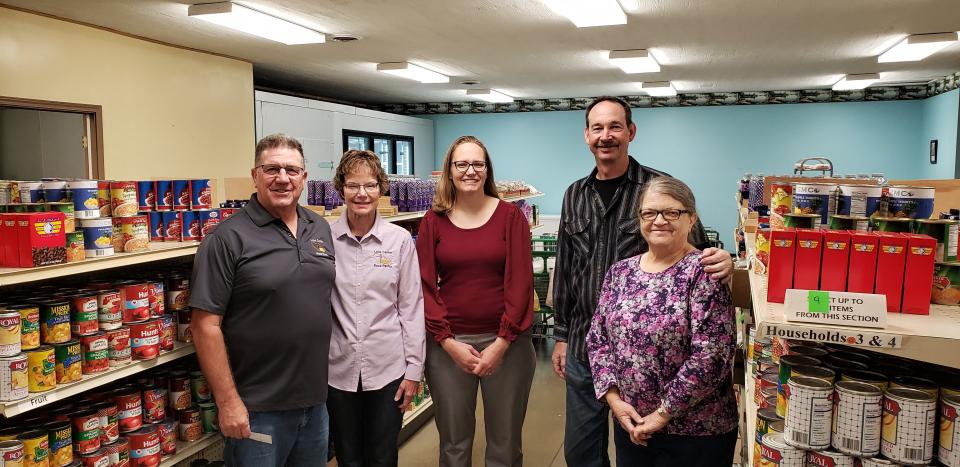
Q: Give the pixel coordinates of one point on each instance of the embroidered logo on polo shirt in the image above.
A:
(320, 246)
(382, 260)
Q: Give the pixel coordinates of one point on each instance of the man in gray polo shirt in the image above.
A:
(261, 317)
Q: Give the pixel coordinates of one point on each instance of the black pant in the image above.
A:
(364, 426)
(666, 450)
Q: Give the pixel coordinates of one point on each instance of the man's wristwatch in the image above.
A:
(662, 411)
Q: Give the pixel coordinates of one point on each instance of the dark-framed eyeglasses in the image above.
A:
(354, 188)
(273, 170)
(668, 214)
(464, 166)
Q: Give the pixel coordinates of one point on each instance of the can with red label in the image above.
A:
(191, 226)
(164, 192)
(156, 226)
(146, 196)
(110, 314)
(103, 198)
(201, 197)
(119, 346)
(10, 335)
(145, 340)
(168, 436)
(157, 298)
(209, 219)
(168, 332)
(178, 293)
(119, 452)
(11, 452)
(181, 195)
(225, 213)
(180, 393)
(109, 422)
(100, 458)
(136, 301)
(172, 226)
(153, 404)
(130, 409)
(84, 314)
(190, 428)
(183, 326)
(13, 378)
(145, 447)
(86, 431)
(123, 199)
(95, 353)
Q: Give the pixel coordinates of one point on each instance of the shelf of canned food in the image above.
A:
(409, 216)
(157, 251)
(186, 449)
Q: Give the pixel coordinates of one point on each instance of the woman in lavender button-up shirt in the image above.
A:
(661, 344)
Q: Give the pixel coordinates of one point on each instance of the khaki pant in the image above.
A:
(504, 393)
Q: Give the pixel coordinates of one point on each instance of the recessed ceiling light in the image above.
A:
(858, 81)
(634, 61)
(344, 38)
(489, 95)
(917, 47)
(589, 13)
(469, 82)
(251, 21)
(414, 72)
(659, 88)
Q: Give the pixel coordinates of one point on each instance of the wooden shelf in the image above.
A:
(185, 449)
(158, 251)
(412, 216)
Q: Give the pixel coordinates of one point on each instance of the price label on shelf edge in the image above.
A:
(37, 401)
(854, 337)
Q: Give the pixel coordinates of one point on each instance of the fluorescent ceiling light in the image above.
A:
(659, 89)
(585, 13)
(860, 81)
(414, 72)
(254, 22)
(634, 61)
(490, 95)
(917, 47)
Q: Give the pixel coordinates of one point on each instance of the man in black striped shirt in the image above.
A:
(599, 226)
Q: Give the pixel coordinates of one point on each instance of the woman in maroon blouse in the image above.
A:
(475, 260)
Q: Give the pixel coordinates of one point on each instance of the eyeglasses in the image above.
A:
(273, 170)
(668, 214)
(354, 188)
(463, 166)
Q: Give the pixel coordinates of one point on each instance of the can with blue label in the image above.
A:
(97, 237)
(209, 219)
(201, 197)
(859, 200)
(172, 226)
(190, 223)
(813, 198)
(156, 226)
(181, 195)
(31, 192)
(146, 196)
(163, 189)
(914, 202)
(55, 191)
(86, 203)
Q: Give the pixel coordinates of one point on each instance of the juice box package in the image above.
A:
(836, 258)
(891, 259)
(780, 267)
(862, 270)
(806, 266)
(918, 274)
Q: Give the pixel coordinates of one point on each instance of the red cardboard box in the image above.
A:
(780, 270)
(41, 239)
(806, 267)
(836, 257)
(891, 258)
(918, 274)
(8, 237)
(862, 272)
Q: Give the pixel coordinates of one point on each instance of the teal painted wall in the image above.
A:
(940, 115)
(709, 147)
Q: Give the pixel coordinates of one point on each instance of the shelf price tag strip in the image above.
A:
(832, 335)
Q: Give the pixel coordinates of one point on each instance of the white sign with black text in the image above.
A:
(837, 308)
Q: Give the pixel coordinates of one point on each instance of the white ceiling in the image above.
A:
(525, 50)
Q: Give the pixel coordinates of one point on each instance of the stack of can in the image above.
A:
(178, 210)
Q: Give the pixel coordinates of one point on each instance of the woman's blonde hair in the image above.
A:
(446, 194)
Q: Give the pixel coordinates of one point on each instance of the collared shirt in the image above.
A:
(378, 330)
(273, 291)
(592, 237)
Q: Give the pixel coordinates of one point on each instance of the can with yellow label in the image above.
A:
(41, 363)
(36, 448)
(29, 325)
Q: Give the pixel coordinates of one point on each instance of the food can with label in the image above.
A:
(781, 194)
(123, 199)
(859, 200)
(86, 204)
(168, 332)
(145, 340)
(156, 226)
(168, 436)
(190, 429)
(145, 447)
(97, 237)
(178, 293)
(764, 382)
(11, 453)
(98, 458)
(119, 350)
(76, 249)
(191, 226)
(785, 371)
(31, 192)
(86, 431)
(146, 195)
(84, 312)
(775, 452)
(134, 233)
(54, 321)
(110, 313)
(181, 195)
(856, 418)
(948, 449)
(36, 448)
(809, 413)
(14, 379)
(55, 191)
(108, 415)
(164, 193)
(915, 202)
(130, 409)
(103, 198)
(180, 393)
(208, 417)
(69, 219)
(765, 364)
(946, 233)
(42, 365)
(869, 377)
(183, 326)
(10, 334)
(172, 226)
(119, 452)
(200, 390)
(136, 301)
(157, 298)
(813, 198)
(767, 422)
(69, 358)
(95, 353)
(201, 196)
(913, 382)
(29, 325)
(209, 220)
(908, 422)
(153, 404)
(829, 458)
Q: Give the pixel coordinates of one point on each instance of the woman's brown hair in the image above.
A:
(353, 160)
(446, 195)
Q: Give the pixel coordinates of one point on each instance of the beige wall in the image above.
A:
(167, 112)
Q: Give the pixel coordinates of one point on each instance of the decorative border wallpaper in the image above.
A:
(912, 92)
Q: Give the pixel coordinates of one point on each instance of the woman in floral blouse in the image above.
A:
(662, 341)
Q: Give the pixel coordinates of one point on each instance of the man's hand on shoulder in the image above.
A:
(718, 263)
